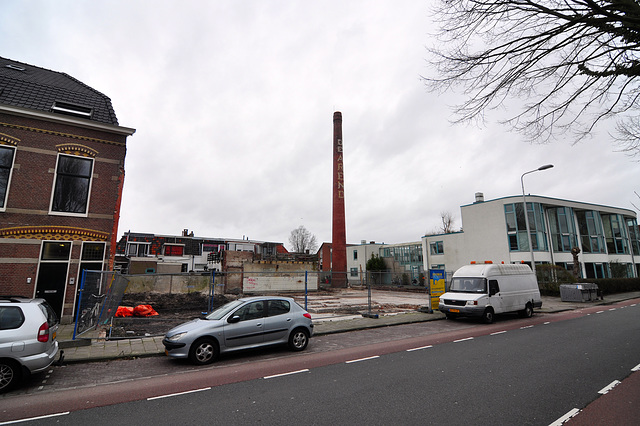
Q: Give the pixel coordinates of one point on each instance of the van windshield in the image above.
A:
(468, 285)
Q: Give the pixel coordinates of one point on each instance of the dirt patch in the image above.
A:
(172, 309)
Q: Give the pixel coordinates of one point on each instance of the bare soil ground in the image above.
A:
(172, 309)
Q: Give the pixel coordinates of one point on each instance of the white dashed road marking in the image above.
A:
(287, 374)
(362, 359)
(610, 386)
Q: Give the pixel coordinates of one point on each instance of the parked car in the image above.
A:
(27, 338)
(242, 324)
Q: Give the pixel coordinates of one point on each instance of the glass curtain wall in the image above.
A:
(591, 234)
(562, 229)
(517, 228)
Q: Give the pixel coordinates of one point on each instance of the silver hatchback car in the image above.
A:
(27, 338)
(242, 324)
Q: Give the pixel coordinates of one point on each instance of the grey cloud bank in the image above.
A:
(233, 104)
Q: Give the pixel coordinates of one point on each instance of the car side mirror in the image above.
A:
(233, 319)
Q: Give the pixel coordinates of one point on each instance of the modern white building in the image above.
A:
(495, 230)
(404, 260)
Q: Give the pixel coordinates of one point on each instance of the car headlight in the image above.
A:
(176, 337)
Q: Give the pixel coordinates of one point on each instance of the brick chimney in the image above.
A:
(339, 234)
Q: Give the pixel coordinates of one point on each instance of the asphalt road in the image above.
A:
(517, 371)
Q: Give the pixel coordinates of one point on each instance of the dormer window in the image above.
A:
(71, 109)
(15, 67)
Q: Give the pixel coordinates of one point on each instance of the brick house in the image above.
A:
(62, 157)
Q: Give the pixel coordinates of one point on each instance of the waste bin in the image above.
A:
(582, 292)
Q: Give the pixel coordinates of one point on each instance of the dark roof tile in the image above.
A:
(38, 89)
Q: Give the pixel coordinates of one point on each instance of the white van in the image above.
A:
(484, 290)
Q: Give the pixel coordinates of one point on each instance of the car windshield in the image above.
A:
(468, 285)
(224, 310)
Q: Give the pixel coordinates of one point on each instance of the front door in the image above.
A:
(52, 274)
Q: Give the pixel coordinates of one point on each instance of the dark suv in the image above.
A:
(27, 338)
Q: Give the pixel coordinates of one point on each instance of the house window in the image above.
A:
(138, 249)
(437, 247)
(173, 250)
(355, 255)
(72, 184)
(354, 272)
(6, 165)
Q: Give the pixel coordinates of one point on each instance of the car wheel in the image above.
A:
(527, 312)
(299, 339)
(487, 316)
(9, 375)
(204, 351)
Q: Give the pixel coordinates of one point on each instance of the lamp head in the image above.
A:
(545, 167)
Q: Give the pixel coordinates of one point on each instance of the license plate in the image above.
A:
(454, 310)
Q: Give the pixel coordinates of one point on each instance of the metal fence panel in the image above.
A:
(100, 295)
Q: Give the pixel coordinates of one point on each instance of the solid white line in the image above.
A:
(177, 394)
(498, 332)
(362, 359)
(463, 340)
(421, 347)
(610, 386)
(566, 417)
(286, 374)
(636, 368)
(35, 418)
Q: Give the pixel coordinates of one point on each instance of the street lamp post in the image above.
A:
(526, 213)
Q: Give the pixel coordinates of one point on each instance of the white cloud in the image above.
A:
(233, 104)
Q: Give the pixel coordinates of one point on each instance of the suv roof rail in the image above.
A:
(13, 298)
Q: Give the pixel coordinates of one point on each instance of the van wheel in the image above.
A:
(487, 316)
(527, 312)
(451, 316)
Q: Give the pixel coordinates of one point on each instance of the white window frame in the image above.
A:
(13, 161)
(137, 244)
(55, 180)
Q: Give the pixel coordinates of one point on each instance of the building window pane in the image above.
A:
(56, 251)
(73, 180)
(6, 164)
(170, 250)
(437, 247)
(93, 251)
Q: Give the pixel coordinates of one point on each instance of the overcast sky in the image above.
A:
(233, 102)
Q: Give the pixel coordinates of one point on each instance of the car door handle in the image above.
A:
(259, 324)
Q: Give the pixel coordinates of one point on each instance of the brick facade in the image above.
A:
(38, 138)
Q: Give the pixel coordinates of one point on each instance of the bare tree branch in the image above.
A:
(574, 62)
(302, 240)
